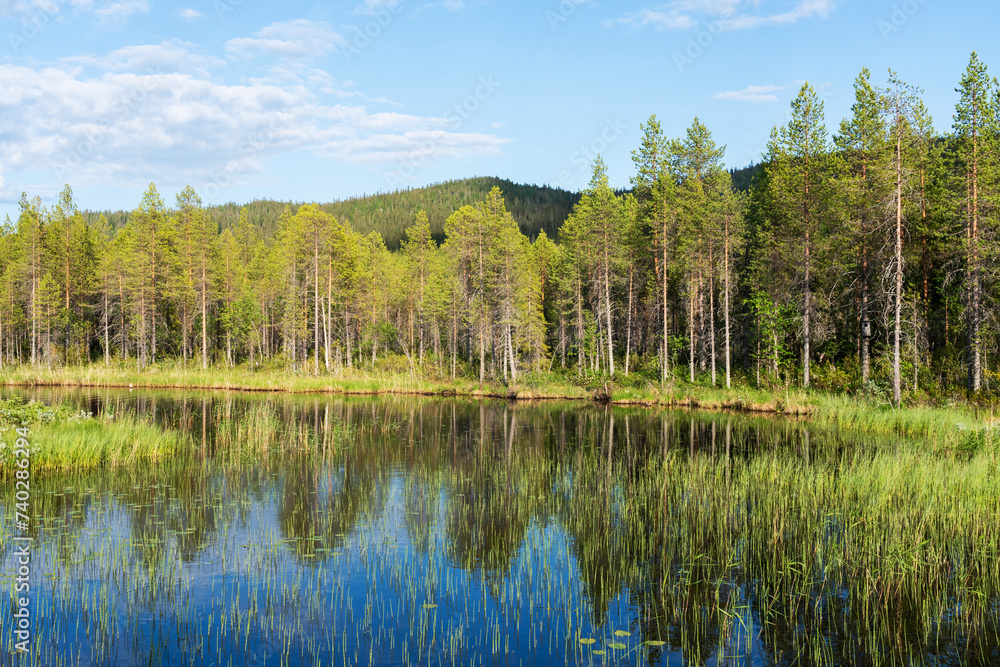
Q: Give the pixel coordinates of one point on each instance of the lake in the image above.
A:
(314, 530)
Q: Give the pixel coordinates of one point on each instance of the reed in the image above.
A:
(309, 530)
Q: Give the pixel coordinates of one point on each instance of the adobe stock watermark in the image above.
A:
(456, 116)
(900, 16)
(366, 34)
(33, 25)
(759, 155)
(703, 40)
(563, 11)
(22, 542)
(124, 107)
(223, 7)
(249, 147)
(583, 157)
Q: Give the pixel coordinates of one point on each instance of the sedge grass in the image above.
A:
(414, 531)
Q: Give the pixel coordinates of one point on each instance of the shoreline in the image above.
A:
(625, 397)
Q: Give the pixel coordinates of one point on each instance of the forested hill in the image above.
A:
(742, 178)
(535, 208)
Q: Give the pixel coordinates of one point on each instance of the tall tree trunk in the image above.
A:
(204, 313)
(607, 309)
(315, 299)
(628, 320)
(975, 362)
(328, 319)
(711, 310)
(808, 305)
(691, 329)
(666, 349)
(726, 306)
(896, 381)
(865, 337)
(107, 334)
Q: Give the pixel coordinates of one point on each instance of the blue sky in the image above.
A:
(245, 99)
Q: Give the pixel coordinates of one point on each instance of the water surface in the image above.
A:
(315, 531)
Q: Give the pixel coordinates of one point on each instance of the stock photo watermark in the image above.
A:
(22, 542)
(899, 17)
(83, 148)
(33, 25)
(249, 148)
(223, 7)
(583, 157)
(455, 116)
(703, 40)
(563, 12)
(369, 32)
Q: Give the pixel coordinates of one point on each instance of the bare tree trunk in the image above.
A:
(691, 329)
(711, 310)
(896, 380)
(628, 321)
(204, 315)
(726, 269)
(107, 334)
(805, 318)
(975, 362)
(315, 299)
(607, 310)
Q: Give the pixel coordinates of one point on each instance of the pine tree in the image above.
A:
(976, 133)
(899, 102)
(862, 143)
(654, 190)
(152, 249)
(31, 236)
(798, 166)
(418, 248)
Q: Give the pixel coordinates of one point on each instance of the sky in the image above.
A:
(308, 101)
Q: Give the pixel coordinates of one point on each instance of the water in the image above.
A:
(321, 531)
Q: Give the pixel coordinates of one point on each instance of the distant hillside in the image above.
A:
(535, 208)
(742, 178)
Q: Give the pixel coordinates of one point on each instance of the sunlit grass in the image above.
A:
(412, 531)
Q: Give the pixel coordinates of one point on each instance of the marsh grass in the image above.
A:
(406, 531)
(62, 438)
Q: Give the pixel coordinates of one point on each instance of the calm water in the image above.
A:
(339, 531)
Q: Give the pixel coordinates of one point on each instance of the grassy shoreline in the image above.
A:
(850, 412)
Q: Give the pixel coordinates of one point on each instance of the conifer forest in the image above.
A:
(860, 255)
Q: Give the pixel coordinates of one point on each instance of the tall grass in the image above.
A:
(63, 439)
(311, 530)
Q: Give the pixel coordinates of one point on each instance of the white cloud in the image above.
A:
(804, 10)
(177, 128)
(164, 58)
(752, 94)
(116, 14)
(373, 6)
(723, 14)
(112, 14)
(413, 145)
(189, 14)
(293, 40)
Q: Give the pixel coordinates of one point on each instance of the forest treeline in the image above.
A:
(862, 259)
(536, 208)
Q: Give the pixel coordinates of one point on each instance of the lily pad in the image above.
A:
(623, 633)
(587, 641)
(429, 606)
(655, 642)
(617, 645)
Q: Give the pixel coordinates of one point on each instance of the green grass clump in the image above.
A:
(64, 438)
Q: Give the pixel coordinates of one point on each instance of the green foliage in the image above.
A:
(15, 412)
(762, 272)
